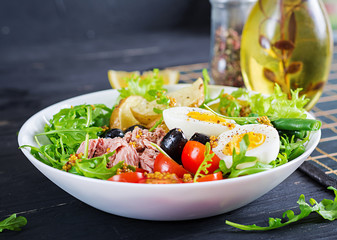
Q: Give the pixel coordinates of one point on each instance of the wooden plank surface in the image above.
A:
(36, 76)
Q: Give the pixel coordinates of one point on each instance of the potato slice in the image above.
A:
(122, 116)
(192, 96)
(144, 113)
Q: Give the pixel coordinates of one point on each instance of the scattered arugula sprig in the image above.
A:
(13, 223)
(239, 158)
(326, 208)
(206, 163)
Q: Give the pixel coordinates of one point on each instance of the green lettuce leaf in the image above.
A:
(278, 105)
(147, 87)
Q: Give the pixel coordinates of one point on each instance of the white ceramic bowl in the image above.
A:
(156, 202)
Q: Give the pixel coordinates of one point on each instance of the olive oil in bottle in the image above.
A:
(287, 42)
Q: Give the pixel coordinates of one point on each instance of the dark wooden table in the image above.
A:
(36, 76)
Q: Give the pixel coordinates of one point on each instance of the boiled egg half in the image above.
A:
(264, 143)
(191, 120)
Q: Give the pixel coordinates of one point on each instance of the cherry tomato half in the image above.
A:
(166, 164)
(193, 156)
(211, 177)
(131, 177)
(141, 170)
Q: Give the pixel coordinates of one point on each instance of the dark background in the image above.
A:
(46, 21)
(67, 41)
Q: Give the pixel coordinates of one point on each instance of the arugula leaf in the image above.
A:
(206, 163)
(292, 148)
(230, 105)
(258, 167)
(238, 120)
(239, 158)
(97, 167)
(67, 130)
(326, 208)
(156, 124)
(13, 223)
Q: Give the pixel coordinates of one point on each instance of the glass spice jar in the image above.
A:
(227, 20)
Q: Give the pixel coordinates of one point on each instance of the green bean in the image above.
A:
(297, 124)
(296, 152)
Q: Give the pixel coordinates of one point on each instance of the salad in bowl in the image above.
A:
(158, 152)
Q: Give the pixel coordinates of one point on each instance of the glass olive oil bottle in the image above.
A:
(288, 42)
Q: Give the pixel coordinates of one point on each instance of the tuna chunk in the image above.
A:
(141, 139)
(91, 147)
(134, 149)
(124, 152)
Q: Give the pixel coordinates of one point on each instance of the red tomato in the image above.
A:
(166, 164)
(141, 170)
(131, 177)
(211, 177)
(193, 156)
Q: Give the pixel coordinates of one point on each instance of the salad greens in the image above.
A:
(150, 87)
(13, 223)
(66, 131)
(326, 208)
(276, 105)
(97, 167)
(71, 126)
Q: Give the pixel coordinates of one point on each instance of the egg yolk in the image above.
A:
(255, 140)
(211, 118)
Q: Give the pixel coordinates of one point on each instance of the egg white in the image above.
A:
(177, 118)
(265, 153)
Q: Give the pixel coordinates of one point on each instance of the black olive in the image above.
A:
(173, 144)
(130, 129)
(199, 137)
(112, 133)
